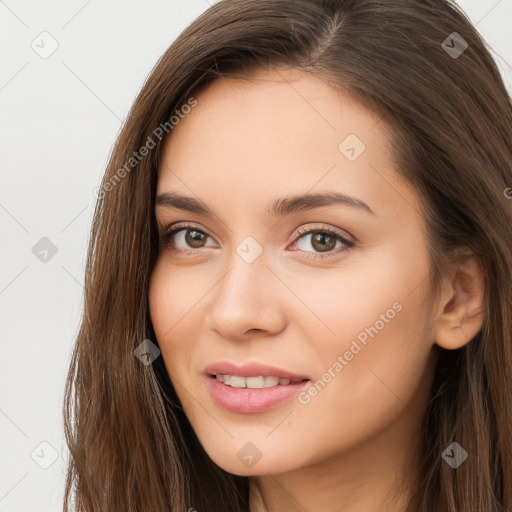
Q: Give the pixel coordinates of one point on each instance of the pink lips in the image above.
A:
(245, 400)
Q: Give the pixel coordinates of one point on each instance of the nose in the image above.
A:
(248, 301)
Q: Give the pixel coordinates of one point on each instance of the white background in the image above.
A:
(59, 118)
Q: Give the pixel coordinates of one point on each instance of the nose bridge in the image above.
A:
(246, 282)
(246, 297)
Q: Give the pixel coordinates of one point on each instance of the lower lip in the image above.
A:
(246, 400)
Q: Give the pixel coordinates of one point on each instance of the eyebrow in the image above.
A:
(279, 208)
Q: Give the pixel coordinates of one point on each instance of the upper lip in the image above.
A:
(253, 369)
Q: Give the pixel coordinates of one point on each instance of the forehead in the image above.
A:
(284, 133)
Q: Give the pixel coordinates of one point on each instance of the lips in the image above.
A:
(240, 398)
(253, 370)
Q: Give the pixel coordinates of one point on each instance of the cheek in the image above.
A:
(376, 353)
(377, 364)
(364, 387)
(167, 296)
(161, 306)
(168, 310)
(173, 301)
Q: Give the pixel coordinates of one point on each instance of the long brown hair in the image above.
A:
(449, 120)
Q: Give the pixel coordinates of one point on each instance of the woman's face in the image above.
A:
(342, 307)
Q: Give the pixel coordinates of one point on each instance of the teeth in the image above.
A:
(255, 382)
(237, 382)
(258, 382)
(271, 382)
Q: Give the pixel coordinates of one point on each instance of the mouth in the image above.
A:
(258, 382)
(252, 388)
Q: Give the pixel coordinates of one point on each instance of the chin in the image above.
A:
(252, 459)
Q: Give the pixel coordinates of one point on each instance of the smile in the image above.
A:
(249, 395)
(259, 382)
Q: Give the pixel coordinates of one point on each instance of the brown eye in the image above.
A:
(194, 238)
(184, 239)
(323, 242)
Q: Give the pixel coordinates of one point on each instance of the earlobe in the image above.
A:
(462, 315)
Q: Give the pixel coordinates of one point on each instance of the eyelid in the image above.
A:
(172, 228)
(316, 226)
(349, 242)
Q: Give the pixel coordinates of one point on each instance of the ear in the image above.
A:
(462, 313)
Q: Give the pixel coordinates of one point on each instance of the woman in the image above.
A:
(298, 288)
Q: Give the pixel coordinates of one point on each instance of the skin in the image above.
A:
(243, 146)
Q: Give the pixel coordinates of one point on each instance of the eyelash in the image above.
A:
(168, 231)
